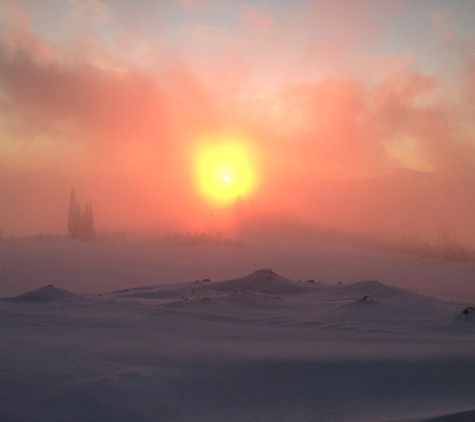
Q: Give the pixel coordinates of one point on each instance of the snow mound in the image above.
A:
(43, 294)
(374, 287)
(266, 298)
(467, 314)
(468, 416)
(374, 291)
(260, 281)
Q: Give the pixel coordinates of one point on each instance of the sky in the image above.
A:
(166, 114)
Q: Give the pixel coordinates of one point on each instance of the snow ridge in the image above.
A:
(260, 281)
(43, 294)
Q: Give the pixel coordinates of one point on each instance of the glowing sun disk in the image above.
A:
(224, 172)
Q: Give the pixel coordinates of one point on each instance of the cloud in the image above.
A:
(122, 128)
(352, 129)
(257, 18)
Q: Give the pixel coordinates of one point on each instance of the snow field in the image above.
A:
(258, 347)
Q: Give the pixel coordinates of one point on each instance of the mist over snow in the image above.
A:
(237, 211)
(149, 330)
(104, 265)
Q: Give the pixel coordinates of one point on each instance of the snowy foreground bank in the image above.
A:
(257, 348)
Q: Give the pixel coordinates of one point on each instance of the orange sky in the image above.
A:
(116, 98)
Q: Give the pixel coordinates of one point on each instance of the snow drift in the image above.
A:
(260, 347)
(43, 294)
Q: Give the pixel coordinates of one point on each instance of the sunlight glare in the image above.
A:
(224, 171)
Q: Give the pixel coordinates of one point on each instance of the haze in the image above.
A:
(357, 115)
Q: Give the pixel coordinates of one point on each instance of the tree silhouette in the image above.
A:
(79, 224)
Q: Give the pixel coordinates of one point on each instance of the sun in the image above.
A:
(224, 171)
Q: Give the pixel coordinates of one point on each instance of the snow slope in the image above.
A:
(255, 348)
(95, 267)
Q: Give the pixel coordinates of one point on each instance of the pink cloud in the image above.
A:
(122, 131)
(257, 18)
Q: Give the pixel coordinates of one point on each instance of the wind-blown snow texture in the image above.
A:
(261, 347)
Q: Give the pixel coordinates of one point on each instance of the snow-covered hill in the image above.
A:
(255, 348)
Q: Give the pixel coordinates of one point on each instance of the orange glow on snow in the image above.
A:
(224, 171)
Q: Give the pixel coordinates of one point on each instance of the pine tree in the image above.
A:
(80, 224)
(73, 218)
(88, 221)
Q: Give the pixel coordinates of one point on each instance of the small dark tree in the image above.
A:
(79, 224)
(88, 221)
(73, 215)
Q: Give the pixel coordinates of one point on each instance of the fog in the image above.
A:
(356, 116)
